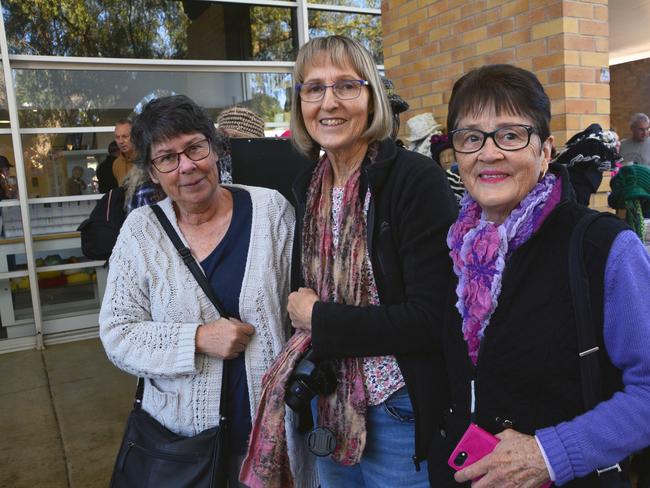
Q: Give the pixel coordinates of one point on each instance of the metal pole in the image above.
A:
(22, 183)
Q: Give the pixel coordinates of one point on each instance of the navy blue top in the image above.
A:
(224, 268)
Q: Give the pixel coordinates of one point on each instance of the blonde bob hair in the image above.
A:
(343, 52)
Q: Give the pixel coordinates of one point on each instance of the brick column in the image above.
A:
(428, 45)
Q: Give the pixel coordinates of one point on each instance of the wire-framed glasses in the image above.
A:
(169, 162)
(342, 89)
(508, 138)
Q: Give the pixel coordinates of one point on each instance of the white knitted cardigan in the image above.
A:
(153, 305)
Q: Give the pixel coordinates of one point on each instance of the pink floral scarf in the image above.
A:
(480, 250)
(338, 277)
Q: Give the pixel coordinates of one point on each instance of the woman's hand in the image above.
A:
(301, 304)
(223, 338)
(515, 462)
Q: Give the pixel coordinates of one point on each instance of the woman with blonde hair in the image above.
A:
(368, 272)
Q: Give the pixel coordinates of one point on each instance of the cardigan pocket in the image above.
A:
(162, 405)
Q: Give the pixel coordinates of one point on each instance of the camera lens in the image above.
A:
(298, 395)
(460, 459)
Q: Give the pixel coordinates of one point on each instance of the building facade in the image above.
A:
(72, 68)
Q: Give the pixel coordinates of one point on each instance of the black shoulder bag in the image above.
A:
(613, 476)
(152, 455)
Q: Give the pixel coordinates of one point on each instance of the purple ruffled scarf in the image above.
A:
(480, 249)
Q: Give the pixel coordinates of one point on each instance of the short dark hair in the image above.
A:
(507, 88)
(167, 117)
(124, 122)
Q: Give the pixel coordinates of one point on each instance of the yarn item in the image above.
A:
(241, 122)
(631, 191)
(479, 250)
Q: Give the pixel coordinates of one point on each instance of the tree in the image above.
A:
(104, 28)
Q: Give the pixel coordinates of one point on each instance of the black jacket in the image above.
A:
(528, 373)
(410, 213)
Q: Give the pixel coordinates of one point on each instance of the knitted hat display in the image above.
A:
(420, 129)
(241, 122)
(631, 191)
(591, 147)
(421, 126)
(632, 182)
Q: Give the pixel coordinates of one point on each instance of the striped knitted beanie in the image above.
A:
(241, 122)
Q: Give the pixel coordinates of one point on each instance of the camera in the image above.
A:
(307, 380)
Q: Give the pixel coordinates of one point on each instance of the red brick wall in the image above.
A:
(428, 45)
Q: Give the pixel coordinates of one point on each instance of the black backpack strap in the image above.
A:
(587, 343)
(588, 347)
(191, 263)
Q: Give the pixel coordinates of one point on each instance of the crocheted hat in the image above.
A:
(439, 142)
(421, 126)
(241, 122)
(591, 147)
(630, 183)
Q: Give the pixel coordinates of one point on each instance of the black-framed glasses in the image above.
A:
(169, 162)
(342, 89)
(509, 138)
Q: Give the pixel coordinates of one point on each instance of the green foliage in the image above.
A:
(106, 28)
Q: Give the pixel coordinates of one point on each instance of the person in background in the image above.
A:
(442, 153)
(155, 320)
(140, 189)
(510, 334)
(369, 272)
(124, 162)
(636, 149)
(7, 188)
(586, 155)
(105, 178)
(76, 185)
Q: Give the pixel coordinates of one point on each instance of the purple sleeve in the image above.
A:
(619, 426)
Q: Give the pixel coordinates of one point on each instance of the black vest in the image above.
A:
(528, 376)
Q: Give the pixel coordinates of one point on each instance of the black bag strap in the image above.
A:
(188, 259)
(587, 343)
(198, 274)
(591, 379)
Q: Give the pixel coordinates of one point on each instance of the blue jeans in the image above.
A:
(386, 460)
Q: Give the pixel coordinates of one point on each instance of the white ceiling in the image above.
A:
(629, 30)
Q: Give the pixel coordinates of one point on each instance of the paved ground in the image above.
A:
(62, 414)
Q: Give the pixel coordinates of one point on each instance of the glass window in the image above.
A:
(16, 315)
(8, 184)
(364, 28)
(59, 165)
(4, 110)
(351, 3)
(77, 98)
(152, 29)
(65, 285)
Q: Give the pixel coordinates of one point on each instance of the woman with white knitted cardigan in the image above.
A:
(156, 322)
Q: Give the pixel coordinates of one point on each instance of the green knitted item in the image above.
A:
(634, 217)
(631, 191)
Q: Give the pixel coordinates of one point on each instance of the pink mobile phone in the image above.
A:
(475, 444)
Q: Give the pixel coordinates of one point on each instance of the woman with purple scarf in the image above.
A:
(510, 335)
(370, 273)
